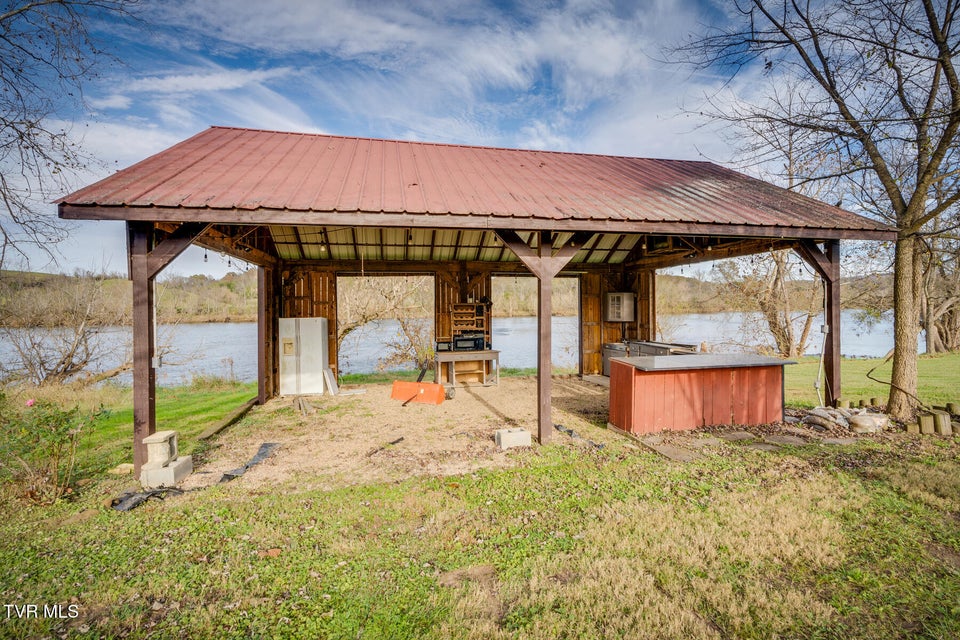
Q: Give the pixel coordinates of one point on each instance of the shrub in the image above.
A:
(38, 445)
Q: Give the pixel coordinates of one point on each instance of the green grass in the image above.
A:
(572, 543)
(187, 410)
(854, 542)
(939, 380)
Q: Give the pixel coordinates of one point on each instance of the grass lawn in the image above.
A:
(190, 409)
(939, 380)
(859, 541)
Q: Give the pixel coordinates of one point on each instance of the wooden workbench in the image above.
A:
(451, 358)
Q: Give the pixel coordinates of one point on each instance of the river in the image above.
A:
(230, 349)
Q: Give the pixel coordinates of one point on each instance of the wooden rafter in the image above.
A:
(296, 235)
(164, 252)
(693, 256)
(217, 240)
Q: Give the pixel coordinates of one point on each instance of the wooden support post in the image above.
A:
(544, 352)
(266, 333)
(144, 333)
(832, 312)
(827, 263)
(647, 304)
(545, 263)
(147, 258)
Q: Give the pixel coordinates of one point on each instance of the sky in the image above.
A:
(579, 75)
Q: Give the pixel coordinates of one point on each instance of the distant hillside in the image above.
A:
(51, 300)
(40, 299)
(680, 294)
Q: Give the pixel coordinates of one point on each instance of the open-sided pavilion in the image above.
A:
(307, 208)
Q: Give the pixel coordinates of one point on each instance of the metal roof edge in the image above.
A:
(268, 217)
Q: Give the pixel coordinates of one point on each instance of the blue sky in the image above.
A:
(581, 75)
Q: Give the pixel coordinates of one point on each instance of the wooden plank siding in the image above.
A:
(594, 332)
(650, 401)
(454, 286)
(312, 294)
(267, 333)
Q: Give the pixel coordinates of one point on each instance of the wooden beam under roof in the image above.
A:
(687, 255)
(217, 240)
(454, 221)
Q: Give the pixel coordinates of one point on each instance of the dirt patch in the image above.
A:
(944, 555)
(483, 574)
(347, 439)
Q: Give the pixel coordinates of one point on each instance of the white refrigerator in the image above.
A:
(304, 354)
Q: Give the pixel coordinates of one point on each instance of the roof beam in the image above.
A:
(454, 221)
(217, 240)
(165, 251)
(734, 249)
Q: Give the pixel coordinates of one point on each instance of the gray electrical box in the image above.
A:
(621, 307)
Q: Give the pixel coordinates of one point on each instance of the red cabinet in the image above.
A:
(657, 393)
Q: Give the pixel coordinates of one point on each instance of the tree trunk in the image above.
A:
(906, 327)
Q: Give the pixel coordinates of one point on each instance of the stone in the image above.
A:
(868, 423)
(673, 453)
(168, 476)
(737, 436)
(927, 424)
(913, 428)
(700, 443)
(792, 441)
(161, 449)
(834, 416)
(511, 438)
(941, 423)
(819, 423)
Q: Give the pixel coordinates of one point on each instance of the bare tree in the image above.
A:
(57, 332)
(787, 304)
(47, 53)
(364, 300)
(876, 87)
(413, 344)
(940, 304)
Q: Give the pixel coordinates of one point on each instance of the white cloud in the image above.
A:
(437, 56)
(123, 143)
(113, 101)
(205, 80)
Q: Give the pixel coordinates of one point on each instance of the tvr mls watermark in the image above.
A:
(28, 611)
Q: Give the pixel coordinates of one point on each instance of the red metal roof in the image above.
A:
(244, 170)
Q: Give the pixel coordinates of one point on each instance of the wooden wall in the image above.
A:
(307, 292)
(594, 332)
(268, 294)
(454, 286)
(310, 293)
(645, 284)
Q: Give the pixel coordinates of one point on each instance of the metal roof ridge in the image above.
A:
(459, 145)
